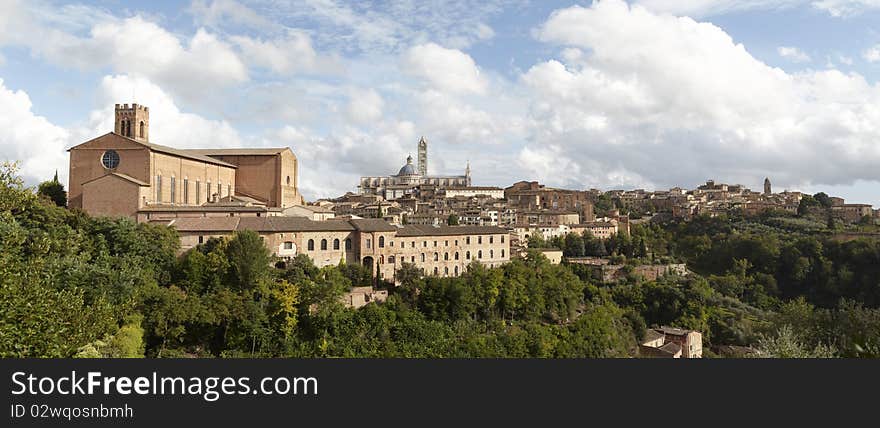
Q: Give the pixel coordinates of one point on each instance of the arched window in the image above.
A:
(436, 257)
(128, 128)
(456, 255)
(335, 244)
(423, 257)
(311, 245)
(141, 133)
(323, 244)
(348, 244)
(381, 242)
(456, 271)
(445, 256)
(446, 271)
(468, 255)
(436, 271)
(480, 254)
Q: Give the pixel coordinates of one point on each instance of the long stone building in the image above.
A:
(440, 251)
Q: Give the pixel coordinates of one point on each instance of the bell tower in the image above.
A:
(767, 188)
(423, 157)
(133, 122)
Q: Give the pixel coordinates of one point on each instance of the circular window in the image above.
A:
(110, 159)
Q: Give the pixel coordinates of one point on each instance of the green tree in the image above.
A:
(53, 190)
(452, 220)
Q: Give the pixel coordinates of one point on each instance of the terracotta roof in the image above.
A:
(122, 176)
(242, 151)
(206, 224)
(372, 225)
(209, 208)
(652, 335)
(673, 331)
(428, 230)
(671, 347)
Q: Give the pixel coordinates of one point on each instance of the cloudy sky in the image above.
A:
(645, 94)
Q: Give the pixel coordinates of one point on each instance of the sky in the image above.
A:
(609, 94)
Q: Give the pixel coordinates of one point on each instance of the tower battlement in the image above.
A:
(133, 121)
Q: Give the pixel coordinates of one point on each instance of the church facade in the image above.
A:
(123, 173)
(412, 179)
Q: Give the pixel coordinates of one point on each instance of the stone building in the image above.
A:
(669, 342)
(532, 196)
(122, 173)
(438, 250)
(411, 180)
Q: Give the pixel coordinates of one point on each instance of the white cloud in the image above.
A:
(871, 54)
(671, 101)
(168, 124)
(844, 8)
(284, 55)
(846, 60)
(191, 68)
(793, 54)
(446, 69)
(702, 8)
(365, 106)
(30, 139)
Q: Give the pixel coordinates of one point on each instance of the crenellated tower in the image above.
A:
(133, 122)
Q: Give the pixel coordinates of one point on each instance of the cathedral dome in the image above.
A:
(408, 169)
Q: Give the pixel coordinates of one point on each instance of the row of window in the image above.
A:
(455, 256)
(311, 244)
(412, 244)
(125, 128)
(198, 191)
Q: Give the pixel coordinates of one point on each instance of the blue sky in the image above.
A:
(650, 93)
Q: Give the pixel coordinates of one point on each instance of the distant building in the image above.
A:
(767, 189)
(669, 342)
(411, 180)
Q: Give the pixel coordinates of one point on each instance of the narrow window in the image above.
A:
(185, 191)
(173, 190)
(323, 245)
(381, 242)
(348, 244)
(335, 244)
(456, 255)
(468, 255)
(480, 254)
(436, 257)
(198, 192)
(158, 188)
(142, 129)
(311, 245)
(445, 256)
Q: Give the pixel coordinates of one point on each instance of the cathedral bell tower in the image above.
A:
(133, 122)
(423, 157)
